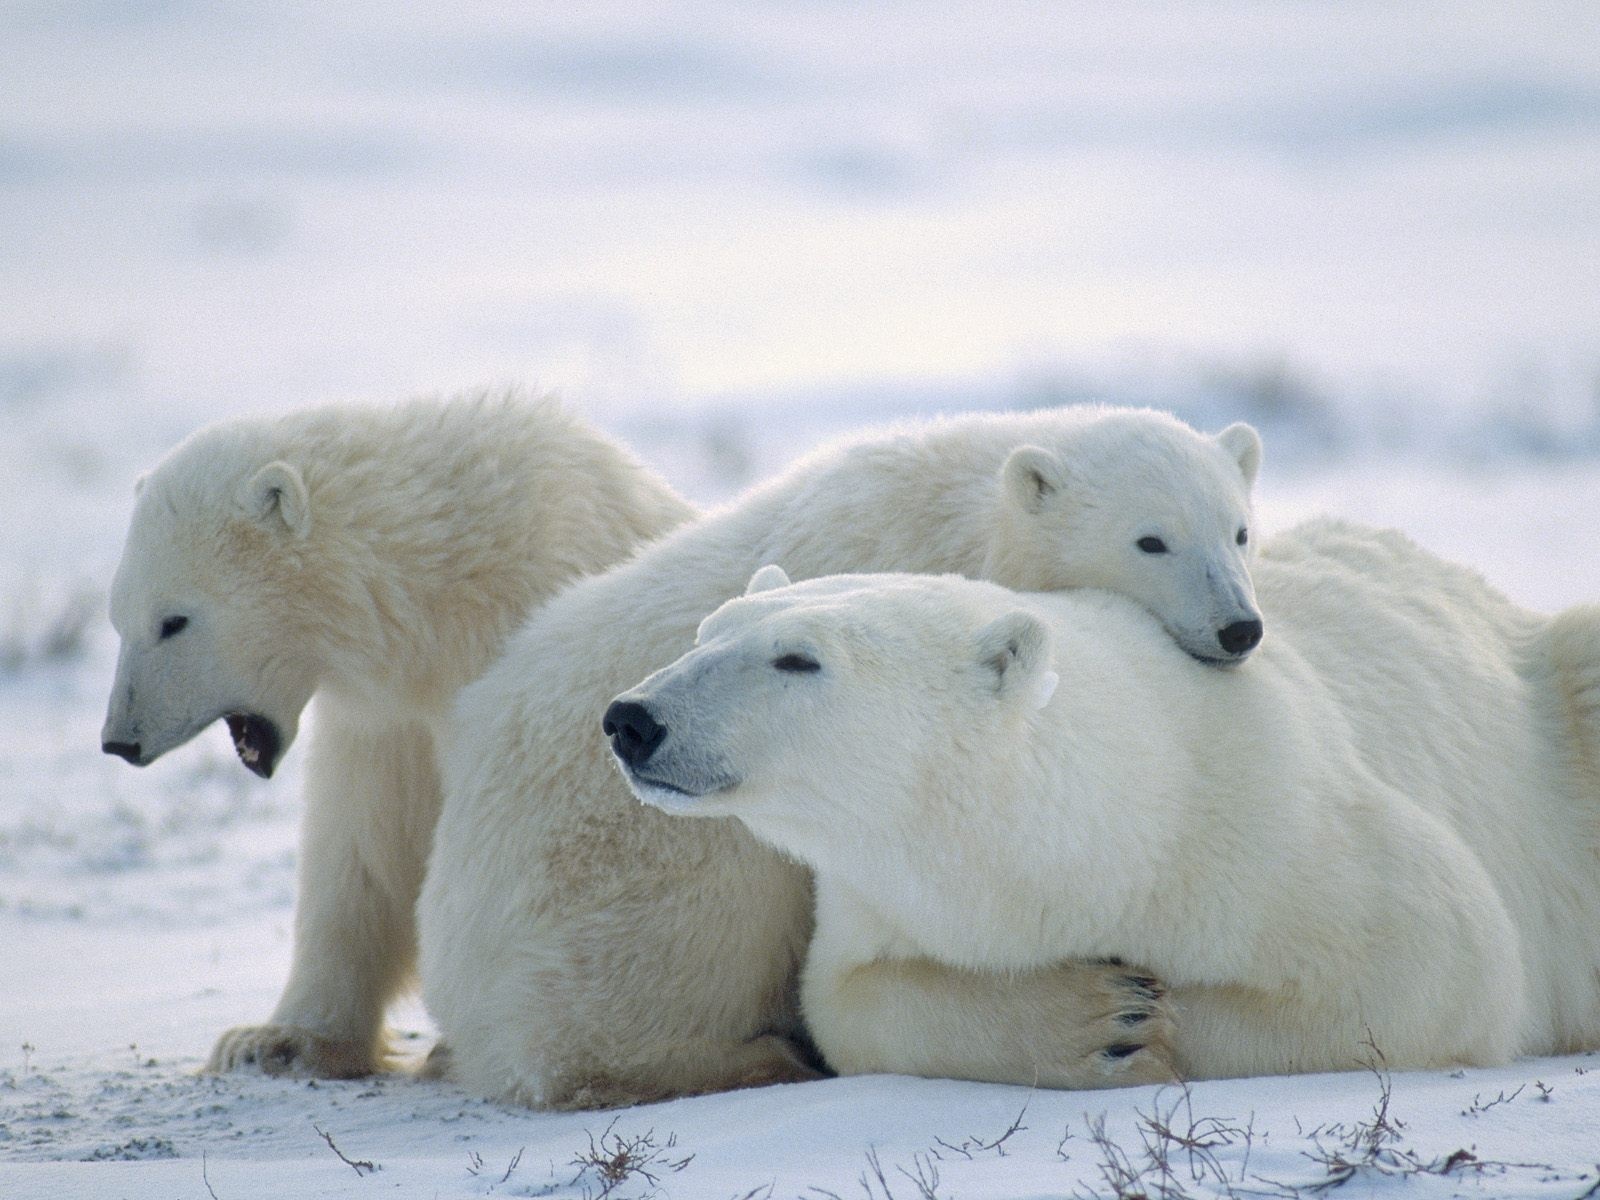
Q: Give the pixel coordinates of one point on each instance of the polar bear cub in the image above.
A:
(631, 957)
(1380, 827)
(373, 558)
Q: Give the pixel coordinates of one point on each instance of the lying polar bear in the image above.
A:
(1386, 825)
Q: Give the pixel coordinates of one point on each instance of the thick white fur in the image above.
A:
(579, 950)
(375, 558)
(1385, 825)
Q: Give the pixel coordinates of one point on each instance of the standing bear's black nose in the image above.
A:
(127, 750)
(1241, 637)
(634, 733)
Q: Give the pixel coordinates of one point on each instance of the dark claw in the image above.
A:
(1120, 1050)
(1137, 1016)
(1146, 986)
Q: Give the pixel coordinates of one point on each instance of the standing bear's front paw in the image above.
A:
(288, 1050)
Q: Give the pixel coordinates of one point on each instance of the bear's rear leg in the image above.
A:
(688, 1069)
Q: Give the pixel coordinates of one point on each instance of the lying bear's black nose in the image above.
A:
(634, 733)
(1241, 637)
(127, 750)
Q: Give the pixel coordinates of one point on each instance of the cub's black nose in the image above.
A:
(634, 733)
(127, 750)
(1241, 637)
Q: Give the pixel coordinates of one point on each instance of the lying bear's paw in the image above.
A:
(1128, 1038)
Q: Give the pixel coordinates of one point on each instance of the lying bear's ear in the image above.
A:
(1016, 649)
(138, 484)
(1243, 445)
(1031, 477)
(277, 493)
(764, 580)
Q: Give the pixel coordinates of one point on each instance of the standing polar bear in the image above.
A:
(579, 950)
(1385, 827)
(374, 558)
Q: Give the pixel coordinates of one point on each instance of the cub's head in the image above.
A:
(1138, 503)
(801, 705)
(209, 603)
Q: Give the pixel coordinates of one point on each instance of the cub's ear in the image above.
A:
(277, 493)
(1015, 648)
(138, 484)
(1242, 444)
(1031, 477)
(765, 579)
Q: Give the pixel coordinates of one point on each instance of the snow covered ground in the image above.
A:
(726, 230)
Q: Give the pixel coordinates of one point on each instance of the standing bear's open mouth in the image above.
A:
(256, 740)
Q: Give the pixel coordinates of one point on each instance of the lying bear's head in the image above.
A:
(835, 690)
(1143, 505)
(208, 603)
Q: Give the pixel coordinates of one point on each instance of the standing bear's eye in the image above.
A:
(796, 663)
(1244, 536)
(1151, 545)
(173, 626)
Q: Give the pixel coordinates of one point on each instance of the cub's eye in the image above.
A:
(1244, 536)
(1151, 545)
(173, 626)
(796, 663)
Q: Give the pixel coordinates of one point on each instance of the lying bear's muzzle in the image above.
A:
(634, 732)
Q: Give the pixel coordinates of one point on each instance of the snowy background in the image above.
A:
(724, 231)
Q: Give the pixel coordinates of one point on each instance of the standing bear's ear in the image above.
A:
(1242, 444)
(1015, 648)
(766, 579)
(277, 493)
(1031, 476)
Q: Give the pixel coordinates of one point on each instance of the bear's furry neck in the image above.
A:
(870, 499)
(431, 541)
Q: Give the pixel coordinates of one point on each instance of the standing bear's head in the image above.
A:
(851, 691)
(211, 603)
(1143, 505)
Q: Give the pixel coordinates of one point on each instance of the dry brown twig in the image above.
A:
(615, 1159)
(360, 1166)
(1479, 1105)
(969, 1147)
